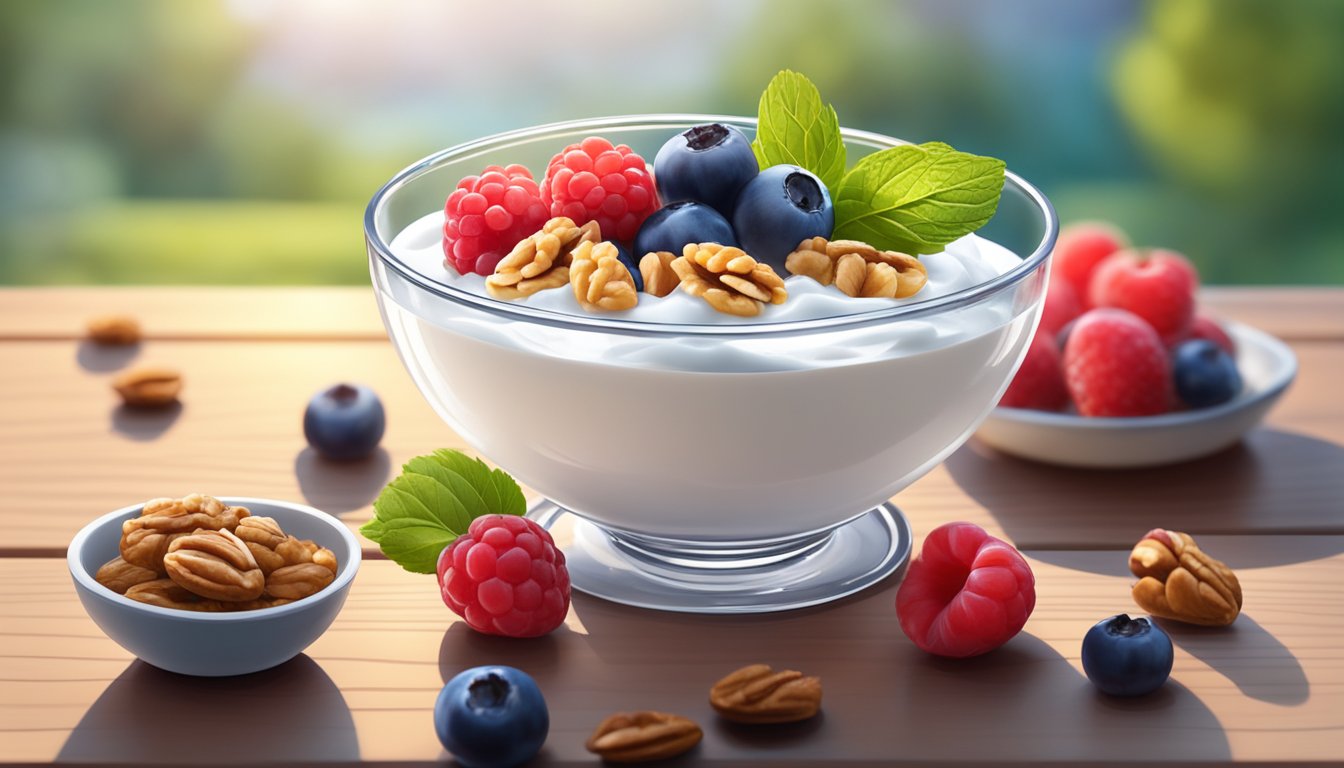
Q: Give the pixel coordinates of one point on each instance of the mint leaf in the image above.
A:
(433, 501)
(795, 127)
(917, 199)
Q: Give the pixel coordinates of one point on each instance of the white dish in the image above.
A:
(1267, 368)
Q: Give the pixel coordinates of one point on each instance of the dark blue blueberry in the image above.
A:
(630, 264)
(707, 164)
(779, 209)
(1127, 657)
(491, 717)
(344, 422)
(1205, 374)
(671, 227)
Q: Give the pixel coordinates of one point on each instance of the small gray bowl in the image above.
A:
(214, 644)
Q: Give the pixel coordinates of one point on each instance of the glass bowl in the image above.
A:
(718, 468)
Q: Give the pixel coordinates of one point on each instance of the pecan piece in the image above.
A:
(262, 535)
(114, 330)
(147, 387)
(656, 269)
(728, 279)
(540, 261)
(858, 269)
(601, 281)
(295, 582)
(758, 694)
(167, 593)
(636, 737)
(1177, 580)
(119, 575)
(215, 565)
(145, 539)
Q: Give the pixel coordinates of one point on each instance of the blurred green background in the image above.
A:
(236, 142)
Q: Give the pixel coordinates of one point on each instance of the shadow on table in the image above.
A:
(1276, 676)
(101, 358)
(1243, 488)
(338, 487)
(145, 424)
(292, 714)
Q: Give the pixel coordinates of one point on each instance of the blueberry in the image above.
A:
(1127, 657)
(1205, 374)
(779, 209)
(708, 164)
(491, 716)
(630, 264)
(671, 227)
(344, 422)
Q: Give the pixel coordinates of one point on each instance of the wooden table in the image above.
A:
(1268, 690)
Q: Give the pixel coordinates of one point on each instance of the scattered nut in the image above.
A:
(636, 737)
(145, 539)
(1177, 580)
(728, 279)
(114, 330)
(858, 269)
(147, 387)
(540, 261)
(758, 694)
(600, 279)
(216, 565)
(119, 575)
(656, 269)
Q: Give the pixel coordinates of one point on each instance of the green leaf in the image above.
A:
(498, 489)
(461, 488)
(917, 199)
(415, 544)
(795, 127)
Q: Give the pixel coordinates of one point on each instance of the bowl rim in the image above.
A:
(1280, 378)
(511, 311)
(342, 580)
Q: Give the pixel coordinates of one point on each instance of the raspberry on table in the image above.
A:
(595, 181)
(1115, 365)
(505, 576)
(487, 215)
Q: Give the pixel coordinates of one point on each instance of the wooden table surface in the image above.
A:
(1268, 690)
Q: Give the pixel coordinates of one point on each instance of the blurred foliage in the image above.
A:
(236, 141)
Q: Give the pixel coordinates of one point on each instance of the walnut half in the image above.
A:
(1177, 580)
(540, 261)
(858, 269)
(600, 280)
(728, 279)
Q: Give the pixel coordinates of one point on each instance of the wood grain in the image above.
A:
(350, 313)
(1270, 687)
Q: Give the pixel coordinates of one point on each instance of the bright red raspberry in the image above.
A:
(1115, 365)
(1039, 383)
(1078, 251)
(489, 214)
(1204, 328)
(1158, 286)
(1059, 307)
(505, 576)
(966, 593)
(594, 181)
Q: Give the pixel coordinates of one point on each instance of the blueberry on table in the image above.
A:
(491, 716)
(783, 206)
(674, 225)
(344, 422)
(1205, 374)
(1127, 657)
(707, 164)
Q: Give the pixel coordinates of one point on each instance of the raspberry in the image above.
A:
(1078, 251)
(1060, 306)
(505, 577)
(1204, 328)
(594, 181)
(1158, 286)
(1039, 383)
(489, 214)
(1115, 365)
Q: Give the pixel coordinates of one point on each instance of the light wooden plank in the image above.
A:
(1269, 689)
(351, 313)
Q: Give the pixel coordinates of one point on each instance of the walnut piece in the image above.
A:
(216, 565)
(114, 330)
(540, 261)
(148, 387)
(635, 737)
(600, 280)
(728, 279)
(858, 269)
(656, 269)
(1177, 580)
(758, 694)
(119, 575)
(145, 539)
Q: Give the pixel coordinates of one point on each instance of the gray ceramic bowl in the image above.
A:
(214, 644)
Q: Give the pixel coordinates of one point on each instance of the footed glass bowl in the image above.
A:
(707, 467)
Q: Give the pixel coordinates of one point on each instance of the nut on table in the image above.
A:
(1178, 580)
(637, 737)
(758, 694)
